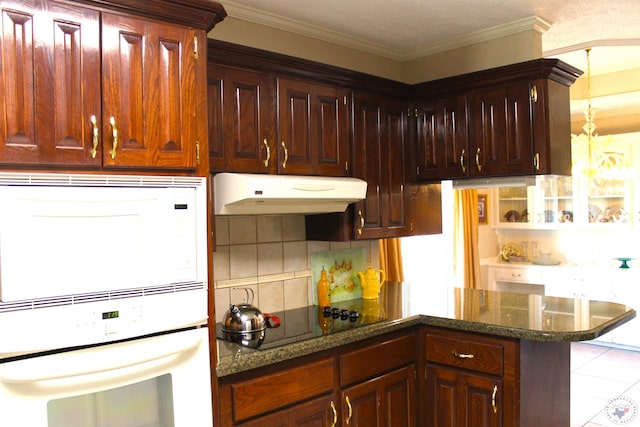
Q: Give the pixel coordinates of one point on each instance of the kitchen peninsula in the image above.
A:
(494, 358)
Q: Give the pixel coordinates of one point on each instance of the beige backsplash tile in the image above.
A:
(221, 263)
(242, 230)
(295, 256)
(271, 296)
(269, 254)
(270, 258)
(243, 261)
(293, 228)
(269, 229)
(222, 231)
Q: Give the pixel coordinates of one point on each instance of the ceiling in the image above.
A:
(408, 29)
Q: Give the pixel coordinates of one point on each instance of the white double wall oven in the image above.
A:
(103, 301)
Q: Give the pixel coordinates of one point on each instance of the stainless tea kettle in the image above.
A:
(245, 324)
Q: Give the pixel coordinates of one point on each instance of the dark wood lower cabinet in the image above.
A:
(320, 412)
(387, 400)
(461, 399)
(465, 379)
(368, 384)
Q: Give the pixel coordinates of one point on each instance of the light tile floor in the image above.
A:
(598, 375)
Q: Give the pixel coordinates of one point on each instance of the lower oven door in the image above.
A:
(159, 381)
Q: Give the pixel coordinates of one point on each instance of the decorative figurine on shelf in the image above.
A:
(624, 262)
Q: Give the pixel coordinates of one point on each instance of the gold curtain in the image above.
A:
(391, 259)
(466, 236)
(391, 264)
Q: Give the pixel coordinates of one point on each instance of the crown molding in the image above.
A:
(257, 16)
(268, 19)
(515, 27)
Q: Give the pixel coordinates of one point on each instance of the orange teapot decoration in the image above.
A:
(370, 282)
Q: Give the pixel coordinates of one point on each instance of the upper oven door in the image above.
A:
(58, 241)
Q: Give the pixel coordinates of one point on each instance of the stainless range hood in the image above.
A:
(258, 194)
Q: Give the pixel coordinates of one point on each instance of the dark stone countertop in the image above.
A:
(522, 316)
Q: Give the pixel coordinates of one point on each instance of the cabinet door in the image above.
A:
(393, 168)
(380, 135)
(320, 412)
(50, 60)
(368, 142)
(241, 120)
(501, 133)
(386, 401)
(152, 78)
(457, 399)
(313, 132)
(441, 139)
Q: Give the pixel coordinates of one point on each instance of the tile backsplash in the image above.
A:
(270, 255)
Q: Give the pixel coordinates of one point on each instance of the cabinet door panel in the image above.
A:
(501, 140)
(245, 139)
(398, 397)
(50, 92)
(519, 136)
(394, 197)
(442, 403)
(294, 127)
(368, 166)
(149, 74)
(488, 133)
(360, 405)
(454, 136)
(316, 413)
(332, 130)
(483, 401)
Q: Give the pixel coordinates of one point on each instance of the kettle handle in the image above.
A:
(249, 292)
(383, 277)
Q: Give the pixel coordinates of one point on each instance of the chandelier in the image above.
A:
(589, 152)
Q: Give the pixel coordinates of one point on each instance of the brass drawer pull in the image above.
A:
(493, 399)
(335, 415)
(462, 355)
(462, 160)
(350, 414)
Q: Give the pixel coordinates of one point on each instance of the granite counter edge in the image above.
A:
(246, 359)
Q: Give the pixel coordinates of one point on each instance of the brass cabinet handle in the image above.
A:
(462, 355)
(493, 399)
(196, 51)
(536, 161)
(462, 158)
(478, 160)
(266, 161)
(361, 221)
(335, 414)
(114, 131)
(286, 155)
(534, 93)
(94, 149)
(198, 153)
(350, 413)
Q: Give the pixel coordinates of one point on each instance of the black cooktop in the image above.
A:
(304, 323)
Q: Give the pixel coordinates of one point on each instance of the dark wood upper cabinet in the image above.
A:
(51, 86)
(268, 124)
(313, 129)
(380, 137)
(68, 69)
(241, 120)
(508, 121)
(440, 142)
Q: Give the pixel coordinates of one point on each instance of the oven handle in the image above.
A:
(98, 359)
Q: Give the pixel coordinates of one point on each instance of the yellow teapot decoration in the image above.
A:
(370, 282)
